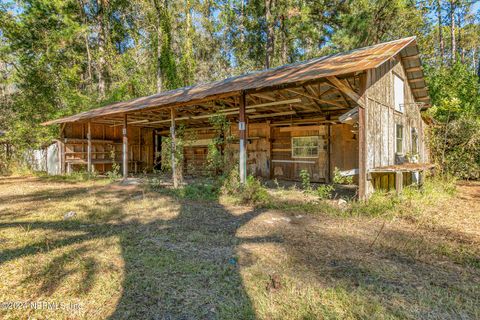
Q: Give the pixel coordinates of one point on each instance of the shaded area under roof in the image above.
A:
(332, 65)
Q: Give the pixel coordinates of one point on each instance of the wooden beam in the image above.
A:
(398, 182)
(415, 79)
(333, 103)
(346, 89)
(414, 57)
(227, 112)
(362, 146)
(172, 135)
(413, 69)
(268, 115)
(300, 128)
(125, 147)
(419, 89)
(264, 96)
(89, 148)
(275, 103)
(220, 113)
(242, 127)
(130, 122)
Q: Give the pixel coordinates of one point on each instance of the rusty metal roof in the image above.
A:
(331, 65)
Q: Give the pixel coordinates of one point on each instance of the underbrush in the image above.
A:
(252, 193)
(229, 187)
(411, 201)
(76, 176)
(14, 168)
(197, 191)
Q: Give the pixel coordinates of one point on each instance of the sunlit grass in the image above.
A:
(130, 252)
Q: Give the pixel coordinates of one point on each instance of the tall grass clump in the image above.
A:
(412, 201)
(252, 193)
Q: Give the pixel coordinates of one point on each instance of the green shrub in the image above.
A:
(155, 184)
(412, 201)
(305, 176)
(455, 147)
(379, 203)
(199, 191)
(325, 191)
(253, 192)
(113, 174)
(339, 179)
(231, 183)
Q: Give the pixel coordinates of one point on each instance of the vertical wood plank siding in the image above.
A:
(382, 119)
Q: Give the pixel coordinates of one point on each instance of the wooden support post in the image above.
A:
(61, 150)
(269, 149)
(362, 172)
(60, 157)
(103, 147)
(125, 147)
(139, 159)
(399, 181)
(173, 151)
(329, 151)
(362, 131)
(89, 148)
(242, 127)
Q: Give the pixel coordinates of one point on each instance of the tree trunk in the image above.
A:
(461, 49)
(452, 31)
(474, 58)
(89, 58)
(101, 49)
(159, 34)
(284, 49)
(241, 27)
(478, 68)
(158, 73)
(440, 32)
(270, 33)
(87, 45)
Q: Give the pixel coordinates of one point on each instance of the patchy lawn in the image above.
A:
(131, 253)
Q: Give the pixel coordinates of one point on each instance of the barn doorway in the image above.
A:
(157, 154)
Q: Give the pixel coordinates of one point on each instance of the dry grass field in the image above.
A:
(129, 252)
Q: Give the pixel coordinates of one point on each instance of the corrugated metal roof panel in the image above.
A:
(332, 65)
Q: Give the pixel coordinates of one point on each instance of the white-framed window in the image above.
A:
(398, 93)
(305, 147)
(399, 138)
(414, 135)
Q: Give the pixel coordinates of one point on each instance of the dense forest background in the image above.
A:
(60, 57)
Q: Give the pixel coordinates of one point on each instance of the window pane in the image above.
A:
(399, 93)
(399, 138)
(305, 147)
(414, 141)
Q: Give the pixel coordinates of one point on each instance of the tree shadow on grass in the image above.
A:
(182, 263)
(401, 275)
(184, 267)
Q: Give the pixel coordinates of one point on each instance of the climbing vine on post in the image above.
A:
(219, 156)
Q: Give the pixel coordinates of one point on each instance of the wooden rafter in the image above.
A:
(333, 103)
(343, 87)
(264, 96)
(413, 69)
(268, 115)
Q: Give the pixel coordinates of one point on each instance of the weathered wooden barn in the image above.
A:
(357, 111)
